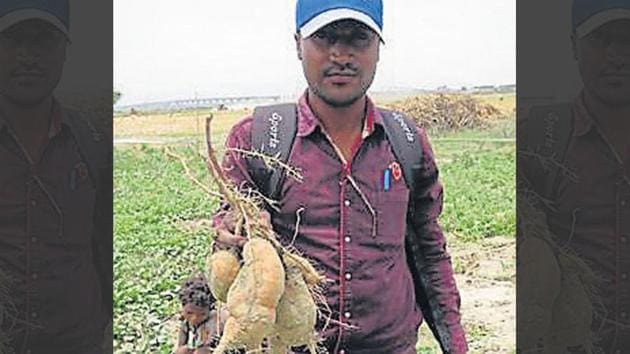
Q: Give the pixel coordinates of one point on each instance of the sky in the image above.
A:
(166, 50)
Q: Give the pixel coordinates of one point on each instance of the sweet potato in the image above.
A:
(311, 275)
(253, 297)
(296, 312)
(223, 267)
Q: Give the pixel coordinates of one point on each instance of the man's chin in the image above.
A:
(26, 98)
(339, 101)
(616, 96)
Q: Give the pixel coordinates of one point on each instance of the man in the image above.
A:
(55, 196)
(352, 223)
(585, 148)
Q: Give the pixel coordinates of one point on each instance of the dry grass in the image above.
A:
(504, 102)
(192, 123)
(177, 124)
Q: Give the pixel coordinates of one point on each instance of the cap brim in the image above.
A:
(601, 18)
(330, 16)
(18, 16)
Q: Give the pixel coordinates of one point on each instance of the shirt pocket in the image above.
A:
(79, 199)
(391, 211)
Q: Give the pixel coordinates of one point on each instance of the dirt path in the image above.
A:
(486, 279)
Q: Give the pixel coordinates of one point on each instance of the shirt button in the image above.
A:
(34, 276)
(623, 239)
(34, 314)
(348, 276)
(624, 275)
(346, 203)
(34, 239)
(347, 314)
(624, 314)
(347, 239)
(33, 202)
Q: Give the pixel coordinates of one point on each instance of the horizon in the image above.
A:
(209, 49)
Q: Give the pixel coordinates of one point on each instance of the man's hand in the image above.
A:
(226, 232)
(183, 350)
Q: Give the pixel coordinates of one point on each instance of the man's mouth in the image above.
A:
(616, 74)
(28, 74)
(340, 78)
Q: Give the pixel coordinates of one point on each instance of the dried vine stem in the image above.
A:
(271, 162)
(188, 173)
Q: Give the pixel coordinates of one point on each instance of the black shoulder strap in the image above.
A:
(549, 130)
(273, 132)
(92, 146)
(407, 148)
(95, 150)
(405, 143)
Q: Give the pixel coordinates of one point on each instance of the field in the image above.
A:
(162, 228)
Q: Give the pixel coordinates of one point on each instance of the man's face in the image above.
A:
(32, 55)
(604, 60)
(339, 61)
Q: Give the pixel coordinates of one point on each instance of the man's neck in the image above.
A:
(26, 119)
(30, 123)
(613, 120)
(339, 121)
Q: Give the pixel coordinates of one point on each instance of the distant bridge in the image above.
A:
(215, 102)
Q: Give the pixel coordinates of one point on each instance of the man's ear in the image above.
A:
(298, 45)
(574, 45)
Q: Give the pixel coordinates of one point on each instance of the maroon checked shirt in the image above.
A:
(370, 290)
(47, 244)
(591, 217)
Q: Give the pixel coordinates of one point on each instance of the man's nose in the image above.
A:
(341, 52)
(618, 53)
(27, 53)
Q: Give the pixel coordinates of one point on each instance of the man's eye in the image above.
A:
(363, 36)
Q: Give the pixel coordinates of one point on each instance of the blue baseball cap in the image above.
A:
(55, 12)
(311, 15)
(589, 15)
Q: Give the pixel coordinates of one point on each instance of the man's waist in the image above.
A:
(379, 312)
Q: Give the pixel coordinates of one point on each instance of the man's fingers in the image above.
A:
(228, 222)
(266, 217)
(227, 238)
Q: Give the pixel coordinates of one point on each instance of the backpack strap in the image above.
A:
(92, 146)
(97, 155)
(405, 143)
(407, 149)
(548, 133)
(273, 132)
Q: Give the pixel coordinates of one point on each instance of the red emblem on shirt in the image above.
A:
(82, 170)
(396, 171)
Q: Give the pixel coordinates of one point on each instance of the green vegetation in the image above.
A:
(162, 224)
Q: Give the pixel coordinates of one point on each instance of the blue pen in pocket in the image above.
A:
(387, 179)
(73, 179)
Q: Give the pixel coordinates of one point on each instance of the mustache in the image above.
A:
(347, 70)
(618, 69)
(30, 70)
(616, 73)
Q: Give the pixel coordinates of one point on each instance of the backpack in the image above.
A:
(273, 133)
(97, 155)
(547, 133)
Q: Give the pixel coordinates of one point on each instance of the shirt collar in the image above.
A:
(582, 118)
(57, 119)
(308, 121)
